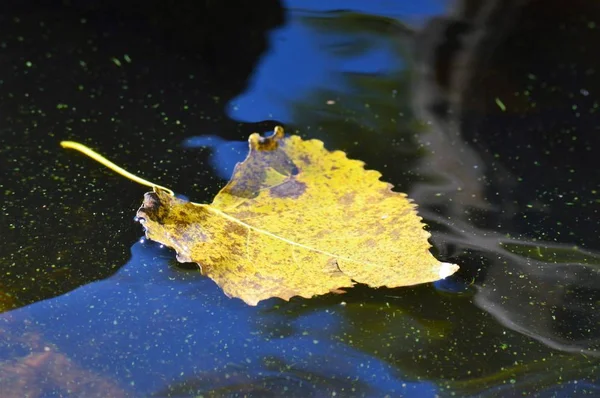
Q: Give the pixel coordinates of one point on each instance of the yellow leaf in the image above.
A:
(296, 220)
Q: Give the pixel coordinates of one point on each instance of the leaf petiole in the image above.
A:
(117, 169)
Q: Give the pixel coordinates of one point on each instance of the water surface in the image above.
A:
(487, 119)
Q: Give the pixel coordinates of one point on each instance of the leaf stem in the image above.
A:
(119, 170)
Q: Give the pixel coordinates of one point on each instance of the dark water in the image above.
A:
(485, 113)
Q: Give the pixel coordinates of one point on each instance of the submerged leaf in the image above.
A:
(297, 220)
(294, 220)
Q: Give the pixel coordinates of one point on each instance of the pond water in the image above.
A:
(485, 114)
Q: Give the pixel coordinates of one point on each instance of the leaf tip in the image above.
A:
(447, 269)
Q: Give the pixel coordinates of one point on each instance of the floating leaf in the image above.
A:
(294, 220)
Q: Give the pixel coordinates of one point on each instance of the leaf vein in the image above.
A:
(272, 235)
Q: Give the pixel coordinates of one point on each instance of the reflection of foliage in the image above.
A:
(553, 253)
(376, 105)
(42, 368)
(547, 374)
(371, 108)
(376, 114)
(428, 337)
(353, 23)
(280, 378)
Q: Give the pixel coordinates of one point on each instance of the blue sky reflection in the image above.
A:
(152, 325)
(303, 59)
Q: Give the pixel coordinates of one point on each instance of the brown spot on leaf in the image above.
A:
(305, 159)
(347, 198)
(370, 243)
(292, 188)
(181, 224)
(332, 267)
(237, 229)
(150, 207)
(194, 235)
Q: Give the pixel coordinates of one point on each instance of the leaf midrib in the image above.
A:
(290, 242)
